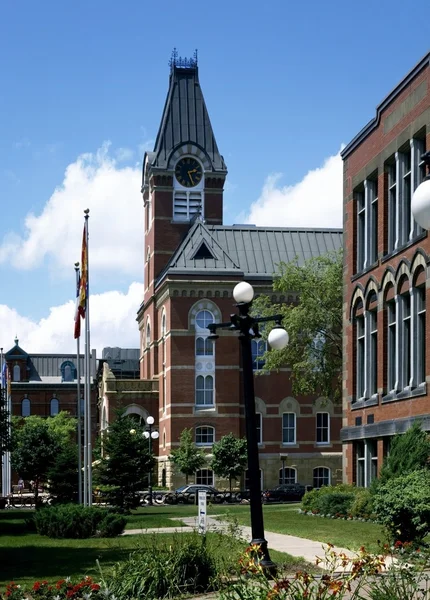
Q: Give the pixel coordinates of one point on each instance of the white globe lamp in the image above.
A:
(155, 435)
(243, 293)
(420, 204)
(278, 338)
(146, 434)
(150, 421)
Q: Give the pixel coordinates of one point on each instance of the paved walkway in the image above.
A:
(296, 546)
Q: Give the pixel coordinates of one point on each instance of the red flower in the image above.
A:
(95, 586)
(398, 544)
(36, 586)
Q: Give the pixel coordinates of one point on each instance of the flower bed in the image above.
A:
(344, 517)
(63, 589)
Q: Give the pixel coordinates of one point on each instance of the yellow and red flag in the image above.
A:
(82, 288)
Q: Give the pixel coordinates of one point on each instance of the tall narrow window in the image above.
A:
(360, 356)
(323, 428)
(289, 428)
(392, 205)
(204, 360)
(391, 344)
(148, 334)
(321, 477)
(360, 466)
(361, 230)
(373, 352)
(420, 337)
(258, 347)
(204, 390)
(17, 373)
(287, 476)
(367, 223)
(54, 407)
(259, 419)
(405, 194)
(405, 366)
(25, 408)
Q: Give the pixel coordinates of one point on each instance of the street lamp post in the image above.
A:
(247, 326)
(150, 434)
(420, 204)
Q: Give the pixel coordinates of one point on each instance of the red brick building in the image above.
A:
(386, 365)
(192, 263)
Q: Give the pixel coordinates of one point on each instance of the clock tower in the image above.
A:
(182, 180)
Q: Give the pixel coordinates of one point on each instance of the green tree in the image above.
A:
(408, 452)
(230, 457)
(187, 458)
(5, 433)
(63, 474)
(125, 462)
(34, 451)
(313, 323)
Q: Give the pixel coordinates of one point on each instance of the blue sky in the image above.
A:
(82, 89)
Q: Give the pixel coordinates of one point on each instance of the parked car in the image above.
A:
(286, 492)
(187, 494)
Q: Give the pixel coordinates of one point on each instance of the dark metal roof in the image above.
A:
(185, 120)
(373, 123)
(249, 251)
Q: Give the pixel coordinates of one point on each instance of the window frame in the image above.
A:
(206, 391)
(200, 434)
(289, 428)
(206, 476)
(51, 403)
(318, 477)
(321, 428)
(25, 402)
(283, 479)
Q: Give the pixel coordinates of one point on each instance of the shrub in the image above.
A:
(362, 505)
(336, 503)
(316, 500)
(184, 565)
(77, 521)
(403, 506)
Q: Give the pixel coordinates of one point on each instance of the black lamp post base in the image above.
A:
(269, 567)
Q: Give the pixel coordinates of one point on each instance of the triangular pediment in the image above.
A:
(16, 352)
(199, 252)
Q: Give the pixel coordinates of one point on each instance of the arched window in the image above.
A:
(321, 477)
(419, 334)
(204, 390)
(288, 475)
(68, 371)
(203, 319)
(205, 436)
(289, 428)
(259, 347)
(205, 477)
(25, 408)
(16, 373)
(148, 334)
(54, 408)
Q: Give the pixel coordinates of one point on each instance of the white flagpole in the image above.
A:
(85, 390)
(88, 373)
(4, 406)
(78, 397)
(9, 410)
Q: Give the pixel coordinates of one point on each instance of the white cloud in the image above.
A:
(112, 323)
(315, 201)
(124, 154)
(113, 196)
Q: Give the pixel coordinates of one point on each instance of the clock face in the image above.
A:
(188, 172)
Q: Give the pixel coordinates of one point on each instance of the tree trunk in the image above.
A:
(186, 478)
(230, 485)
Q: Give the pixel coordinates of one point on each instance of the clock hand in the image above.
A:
(190, 176)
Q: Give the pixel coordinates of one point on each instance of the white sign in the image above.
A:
(201, 519)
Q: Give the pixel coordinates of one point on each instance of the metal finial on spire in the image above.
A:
(16, 340)
(182, 62)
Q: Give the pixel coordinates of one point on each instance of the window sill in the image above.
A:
(393, 396)
(364, 271)
(364, 402)
(205, 445)
(404, 247)
(323, 445)
(289, 445)
(207, 408)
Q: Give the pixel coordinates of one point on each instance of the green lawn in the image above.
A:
(280, 518)
(26, 557)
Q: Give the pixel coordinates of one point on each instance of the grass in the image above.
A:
(26, 557)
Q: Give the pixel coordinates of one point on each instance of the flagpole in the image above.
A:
(8, 467)
(88, 372)
(3, 407)
(84, 275)
(78, 400)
